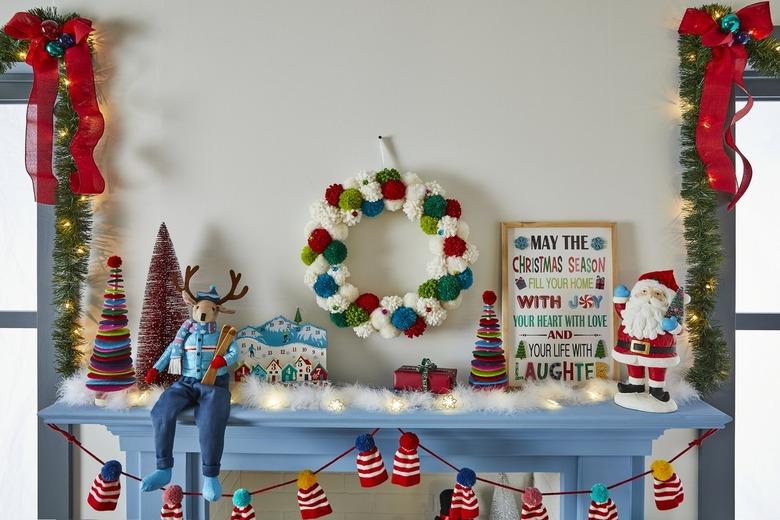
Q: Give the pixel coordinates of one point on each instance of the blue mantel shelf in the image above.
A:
(572, 441)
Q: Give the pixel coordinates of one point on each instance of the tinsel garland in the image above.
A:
(73, 214)
(711, 363)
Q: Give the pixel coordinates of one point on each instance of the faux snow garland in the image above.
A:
(369, 194)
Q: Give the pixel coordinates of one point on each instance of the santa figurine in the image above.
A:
(651, 318)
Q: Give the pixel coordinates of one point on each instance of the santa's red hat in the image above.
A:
(311, 497)
(665, 278)
(105, 490)
(406, 463)
(667, 488)
(370, 466)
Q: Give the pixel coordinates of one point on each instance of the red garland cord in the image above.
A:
(696, 442)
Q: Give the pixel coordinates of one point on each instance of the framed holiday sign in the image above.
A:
(557, 280)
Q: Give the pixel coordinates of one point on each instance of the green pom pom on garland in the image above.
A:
(339, 319)
(350, 199)
(449, 288)
(435, 206)
(335, 253)
(429, 289)
(308, 256)
(355, 315)
(429, 225)
(388, 174)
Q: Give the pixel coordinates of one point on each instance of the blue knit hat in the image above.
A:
(211, 295)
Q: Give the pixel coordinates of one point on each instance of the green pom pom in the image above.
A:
(308, 255)
(429, 289)
(435, 206)
(339, 319)
(335, 253)
(355, 316)
(449, 288)
(350, 199)
(388, 174)
(429, 224)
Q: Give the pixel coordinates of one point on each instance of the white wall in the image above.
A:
(227, 119)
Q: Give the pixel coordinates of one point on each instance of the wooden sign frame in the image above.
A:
(507, 291)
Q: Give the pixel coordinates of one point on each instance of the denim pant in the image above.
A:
(212, 409)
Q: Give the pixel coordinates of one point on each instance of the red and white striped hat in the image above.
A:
(242, 505)
(370, 466)
(406, 463)
(533, 509)
(105, 490)
(601, 506)
(311, 497)
(464, 504)
(668, 487)
(172, 497)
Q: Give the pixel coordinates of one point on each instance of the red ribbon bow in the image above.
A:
(726, 67)
(40, 108)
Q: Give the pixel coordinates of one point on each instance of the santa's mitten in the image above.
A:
(621, 291)
(151, 375)
(671, 325)
(218, 362)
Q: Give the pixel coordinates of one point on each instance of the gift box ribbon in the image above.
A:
(424, 368)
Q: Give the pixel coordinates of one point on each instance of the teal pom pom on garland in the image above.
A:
(388, 174)
(403, 318)
(335, 253)
(350, 199)
(429, 289)
(466, 278)
(339, 319)
(429, 225)
(373, 209)
(242, 498)
(355, 316)
(435, 206)
(599, 493)
(325, 286)
(449, 288)
(308, 256)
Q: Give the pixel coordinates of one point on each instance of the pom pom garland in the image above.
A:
(388, 174)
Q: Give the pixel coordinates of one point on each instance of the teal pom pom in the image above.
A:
(372, 209)
(339, 319)
(355, 315)
(449, 288)
(335, 253)
(388, 174)
(599, 493)
(429, 289)
(241, 498)
(466, 278)
(365, 442)
(403, 318)
(467, 477)
(111, 470)
(435, 206)
(325, 286)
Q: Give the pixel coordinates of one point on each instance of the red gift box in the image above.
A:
(440, 380)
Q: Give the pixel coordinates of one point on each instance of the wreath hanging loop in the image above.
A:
(369, 194)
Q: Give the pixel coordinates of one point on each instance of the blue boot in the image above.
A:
(212, 489)
(156, 479)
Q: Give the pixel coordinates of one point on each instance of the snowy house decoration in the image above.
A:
(284, 351)
(241, 372)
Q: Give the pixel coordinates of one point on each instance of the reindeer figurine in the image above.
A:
(202, 357)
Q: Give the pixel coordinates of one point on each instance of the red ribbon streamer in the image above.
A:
(725, 69)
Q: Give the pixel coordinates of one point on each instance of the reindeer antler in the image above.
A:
(188, 273)
(231, 295)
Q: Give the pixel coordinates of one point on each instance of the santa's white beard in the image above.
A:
(642, 317)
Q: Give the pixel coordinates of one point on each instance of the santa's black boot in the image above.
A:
(660, 394)
(628, 388)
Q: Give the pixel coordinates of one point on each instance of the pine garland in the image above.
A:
(73, 214)
(711, 362)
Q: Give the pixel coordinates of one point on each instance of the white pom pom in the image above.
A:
(339, 273)
(431, 311)
(391, 303)
(338, 231)
(410, 300)
(371, 192)
(73, 390)
(410, 178)
(309, 277)
(320, 265)
(364, 330)
(413, 210)
(394, 205)
(350, 183)
(453, 304)
(463, 230)
(415, 193)
(324, 214)
(349, 292)
(436, 245)
(336, 303)
(351, 216)
(456, 264)
(380, 318)
(389, 332)
(472, 254)
(434, 188)
(436, 267)
(448, 226)
(322, 303)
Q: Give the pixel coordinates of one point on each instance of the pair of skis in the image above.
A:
(226, 337)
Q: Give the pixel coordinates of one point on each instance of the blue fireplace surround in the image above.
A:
(584, 444)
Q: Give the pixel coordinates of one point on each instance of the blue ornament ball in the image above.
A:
(521, 243)
(403, 318)
(66, 40)
(325, 286)
(55, 49)
(372, 209)
(730, 23)
(466, 278)
(741, 37)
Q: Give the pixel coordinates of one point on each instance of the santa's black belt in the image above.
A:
(644, 347)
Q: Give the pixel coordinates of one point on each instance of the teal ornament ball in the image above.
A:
(730, 23)
(55, 49)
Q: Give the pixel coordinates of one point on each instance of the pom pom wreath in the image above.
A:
(388, 174)
(308, 256)
(174, 494)
(338, 319)
(467, 477)
(333, 193)
(403, 318)
(466, 278)
(111, 470)
(355, 315)
(453, 208)
(372, 209)
(599, 493)
(306, 479)
(335, 253)
(434, 206)
(449, 288)
(489, 297)
(325, 286)
(409, 441)
(368, 302)
(241, 497)
(365, 442)
(393, 190)
(114, 261)
(662, 470)
(429, 225)
(350, 199)
(319, 240)
(532, 497)
(416, 330)
(429, 289)
(454, 246)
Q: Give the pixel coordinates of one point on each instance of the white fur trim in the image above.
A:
(655, 384)
(620, 299)
(643, 361)
(677, 330)
(636, 380)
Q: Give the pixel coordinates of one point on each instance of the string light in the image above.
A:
(65, 223)
(692, 57)
(68, 305)
(80, 250)
(396, 405)
(448, 402)
(273, 402)
(22, 55)
(83, 198)
(336, 405)
(66, 82)
(595, 396)
(552, 404)
(692, 317)
(63, 132)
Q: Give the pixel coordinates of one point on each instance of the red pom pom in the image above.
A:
(319, 240)
(489, 297)
(173, 495)
(333, 193)
(368, 302)
(114, 261)
(409, 441)
(417, 329)
(453, 208)
(454, 246)
(393, 190)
